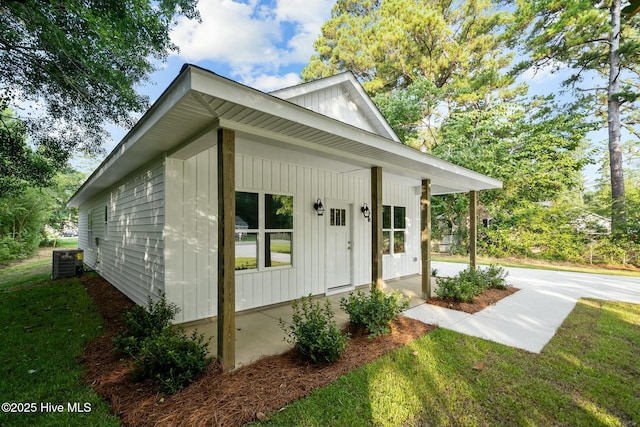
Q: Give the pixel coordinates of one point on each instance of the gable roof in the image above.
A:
(199, 101)
(347, 83)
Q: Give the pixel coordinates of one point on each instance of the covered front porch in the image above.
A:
(258, 332)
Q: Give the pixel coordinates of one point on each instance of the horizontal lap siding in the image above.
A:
(131, 254)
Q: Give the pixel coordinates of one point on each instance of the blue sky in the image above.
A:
(261, 43)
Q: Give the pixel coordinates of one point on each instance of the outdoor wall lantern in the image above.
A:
(366, 212)
(318, 207)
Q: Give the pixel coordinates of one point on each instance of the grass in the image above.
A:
(586, 376)
(35, 271)
(45, 325)
(542, 265)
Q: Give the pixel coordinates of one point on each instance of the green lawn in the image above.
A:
(45, 326)
(588, 375)
(541, 265)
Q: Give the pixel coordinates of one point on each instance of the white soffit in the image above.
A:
(199, 101)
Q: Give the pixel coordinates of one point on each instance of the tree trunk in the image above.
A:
(618, 208)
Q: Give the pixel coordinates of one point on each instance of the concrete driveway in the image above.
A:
(529, 318)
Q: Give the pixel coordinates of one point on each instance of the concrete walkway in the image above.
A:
(529, 318)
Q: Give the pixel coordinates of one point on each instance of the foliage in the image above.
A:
(587, 40)
(20, 165)
(22, 218)
(432, 381)
(469, 283)
(77, 64)
(419, 59)
(374, 311)
(173, 359)
(160, 351)
(144, 322)
(313, 331)
(538, 152)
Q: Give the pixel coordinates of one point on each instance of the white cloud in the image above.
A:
(252, 38)
(268, 83)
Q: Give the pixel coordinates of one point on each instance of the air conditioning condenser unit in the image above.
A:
(67, 263)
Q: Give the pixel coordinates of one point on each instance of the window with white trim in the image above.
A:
(106, 222)
(90, 229)
(394, 227)
(264, 230)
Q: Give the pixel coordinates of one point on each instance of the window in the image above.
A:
(399, 228)
(90, 229)
(264, 226)
(278, 233)
(394, 225)
(246, 240)
(338, 217)
(106, 222)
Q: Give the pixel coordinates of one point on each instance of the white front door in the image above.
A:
(338, 246)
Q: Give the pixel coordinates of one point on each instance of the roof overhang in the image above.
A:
(199, 101)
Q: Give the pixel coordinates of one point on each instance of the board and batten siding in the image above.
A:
(306, 184)
(129, 252)
(334, 102)
(407, 263)
(191, 226)
(191, 235)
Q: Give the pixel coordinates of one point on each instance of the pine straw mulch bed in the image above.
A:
(479, 302)
(217, 398)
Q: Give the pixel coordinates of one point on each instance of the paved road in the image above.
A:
(529, 318)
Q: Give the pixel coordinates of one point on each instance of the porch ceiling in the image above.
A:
(199, 101)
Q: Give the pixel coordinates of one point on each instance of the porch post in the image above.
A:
(226, 249)
(473, 228)
(376, 227)
(425, 237)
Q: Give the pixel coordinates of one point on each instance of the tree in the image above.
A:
(67, 67)
(440, 55)
(534, 147)
(588, 37)
(20, 165)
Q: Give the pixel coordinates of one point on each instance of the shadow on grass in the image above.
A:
(586, 376)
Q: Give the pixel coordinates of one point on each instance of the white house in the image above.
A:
(160, 213)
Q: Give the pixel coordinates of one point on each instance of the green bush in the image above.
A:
(456, 288)
(160, 351)
(172, 358)
(469, 283)
(313, 332)
(141, 323)
(494, 277)
(375, 310)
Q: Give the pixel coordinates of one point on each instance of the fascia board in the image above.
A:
(178, 89)
(223, 88)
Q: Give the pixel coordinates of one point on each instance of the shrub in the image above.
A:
(494, 277)
(313, 332)
(374, 311)
(469, 283)
(141, 323)
(456, 288)
(173, 359)
(160, 351)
